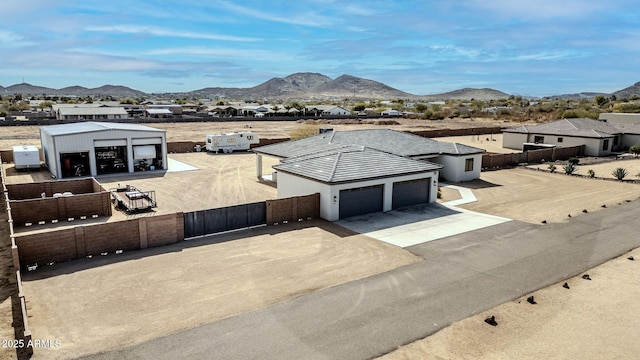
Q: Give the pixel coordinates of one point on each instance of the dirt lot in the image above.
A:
(534, 196)
(221, 180)
(591, 321)
(492, 142)
(110, 302)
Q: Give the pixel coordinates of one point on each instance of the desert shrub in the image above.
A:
(573, 160)
(591, 173)
(570, 168)
(635, 149)
(620, 173)
(552, 168)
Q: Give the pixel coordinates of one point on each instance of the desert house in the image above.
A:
(364, 171)
(89, 112)
(326, 110)
(600, 138)
(98, 148)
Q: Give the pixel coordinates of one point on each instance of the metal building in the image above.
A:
(98, 148)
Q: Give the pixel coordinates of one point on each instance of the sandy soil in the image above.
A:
(603, 169)
(492, 143)
(592, 320)
(221, 180)
(534, 196)
(110, 302)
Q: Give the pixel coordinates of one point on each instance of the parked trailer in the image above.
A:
(26, 157)
(230, 142)
(131, 199)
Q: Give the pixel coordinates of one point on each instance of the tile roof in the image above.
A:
(571, 127)
(352, 163)
(386, 140)
(93, 126)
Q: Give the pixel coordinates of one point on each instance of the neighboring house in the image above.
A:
(91, 113)
(600, 138)
(255, 110)
(158, 113)
(620, 118)
(176, 109)
(363, 171)
(327, 110)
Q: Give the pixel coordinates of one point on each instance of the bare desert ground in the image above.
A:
(106, 303)
(591, 320)
(534, 196)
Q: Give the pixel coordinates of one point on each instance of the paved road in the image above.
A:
(460, 276)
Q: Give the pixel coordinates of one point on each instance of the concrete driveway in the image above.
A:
(422, 223)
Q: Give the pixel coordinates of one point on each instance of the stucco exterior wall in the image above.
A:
(593, 146)
(513, 140)
(454, 167)
(291, 185)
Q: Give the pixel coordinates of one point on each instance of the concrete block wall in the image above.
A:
(162, 230)
(109, 237)
(34, 190)
(41, 248)
(293, 208)
(60, 208)
(81, 241)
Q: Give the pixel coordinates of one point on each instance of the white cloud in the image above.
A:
(225, 53)
(155, 31)
(304, 19)
(9, 39)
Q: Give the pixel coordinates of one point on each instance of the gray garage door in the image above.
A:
(407, 193)
(360, 201)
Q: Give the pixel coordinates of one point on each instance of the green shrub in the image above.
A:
(570, 168)
(635, 149)
(620, 173)
(552, 168)
(573, 160)
(591, 173)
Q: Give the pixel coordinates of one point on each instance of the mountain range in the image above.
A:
(299, 86)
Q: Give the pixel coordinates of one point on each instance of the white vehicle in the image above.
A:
(229, 142)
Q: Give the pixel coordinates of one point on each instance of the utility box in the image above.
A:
(26, 157)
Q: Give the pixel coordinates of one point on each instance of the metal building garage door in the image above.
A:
(407, 193)
(361, 201)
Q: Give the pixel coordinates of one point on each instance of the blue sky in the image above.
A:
(422, 47)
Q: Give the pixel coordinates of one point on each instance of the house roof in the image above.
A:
(386, 140)
(93, 126)
(156, 111)
(588, 128)
(352, 163)
(92, 111)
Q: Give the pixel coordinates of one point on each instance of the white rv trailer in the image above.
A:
(26, 157)
(230, 142)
